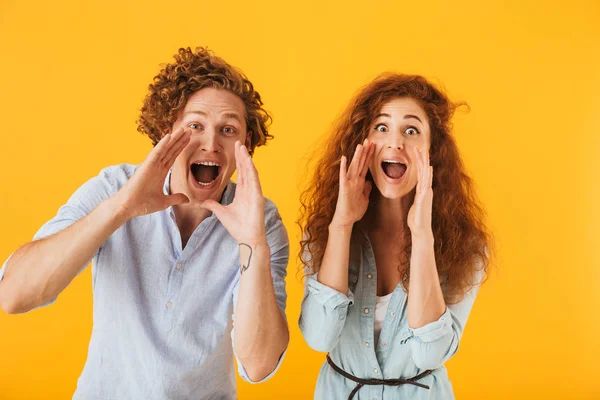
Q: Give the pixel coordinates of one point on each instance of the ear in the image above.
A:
(248, 140)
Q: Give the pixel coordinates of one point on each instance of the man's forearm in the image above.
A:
(40, 270)
(261, 332)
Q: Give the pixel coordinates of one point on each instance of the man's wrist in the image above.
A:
(255, 243)
(120, 208)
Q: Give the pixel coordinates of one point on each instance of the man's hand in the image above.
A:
(143, 194)
(244, 218)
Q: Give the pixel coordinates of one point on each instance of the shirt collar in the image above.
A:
(166, 188)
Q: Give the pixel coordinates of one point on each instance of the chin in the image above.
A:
(394, 192)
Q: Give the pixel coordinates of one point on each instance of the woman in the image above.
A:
(395, 246)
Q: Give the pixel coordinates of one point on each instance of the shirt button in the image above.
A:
(375, 371)
(369, 276)
(384, 344)
(366, 344)
(169, 304)
(393, 314)
(366, 310)
(178, 266)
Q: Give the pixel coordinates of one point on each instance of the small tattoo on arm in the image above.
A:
(245, 266)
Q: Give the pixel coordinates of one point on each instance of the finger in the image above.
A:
(426, 178)
(177, 148)
(368, 158)
(251, 171)
(174, 136)
(363, 156)
(214, 207)
(426, 170)
(158, 150)
(175, 199)
(419, 169)
(352, 169)
(431, 177)
(238, 167)
(243, 165)
(343, 177)
(367, 188)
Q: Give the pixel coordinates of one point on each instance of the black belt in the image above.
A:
(388, 382)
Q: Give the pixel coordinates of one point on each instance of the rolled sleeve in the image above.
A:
(244, 375)
(87, 197)
(435, 343)
(323, 314)
(279, 246)
(434, 330)
(328, 297)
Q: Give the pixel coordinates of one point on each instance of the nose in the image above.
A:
(396, 142)
(209, 142)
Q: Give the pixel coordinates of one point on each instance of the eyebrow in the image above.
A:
(232, 115)
(405, 117)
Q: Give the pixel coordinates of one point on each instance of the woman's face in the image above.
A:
(400, 127)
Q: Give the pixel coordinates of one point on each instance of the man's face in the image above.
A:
(217, 120)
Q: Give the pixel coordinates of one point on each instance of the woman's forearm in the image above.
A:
(333, 271)
(425, 298)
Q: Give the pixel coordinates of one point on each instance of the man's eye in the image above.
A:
(228, 130)
(381, 128)
(411, 130)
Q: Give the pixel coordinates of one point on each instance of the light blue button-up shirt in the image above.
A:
(162, 314)
(343, 326)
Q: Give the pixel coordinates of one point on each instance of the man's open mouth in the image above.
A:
(393, 169)
(205, 172)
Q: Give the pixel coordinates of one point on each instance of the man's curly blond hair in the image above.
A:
(192, 71)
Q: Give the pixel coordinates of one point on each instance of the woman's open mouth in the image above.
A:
(393, 169)
(205, 173)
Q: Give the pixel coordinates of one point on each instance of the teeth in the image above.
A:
(208, 163)
(204, 184)
(393, 162)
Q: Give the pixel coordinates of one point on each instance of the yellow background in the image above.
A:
(73, 76)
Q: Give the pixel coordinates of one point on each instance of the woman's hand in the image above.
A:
(419, 215)
(353, 196)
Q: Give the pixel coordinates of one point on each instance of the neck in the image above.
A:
(390, 215)
(188, 216)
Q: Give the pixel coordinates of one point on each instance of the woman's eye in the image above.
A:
(381, 128)
(411, 130)
(194, 126)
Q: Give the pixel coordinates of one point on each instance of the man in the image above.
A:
(175, 246)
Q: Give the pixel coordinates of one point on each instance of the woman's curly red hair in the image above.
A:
(463, 244)
(192, 71)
